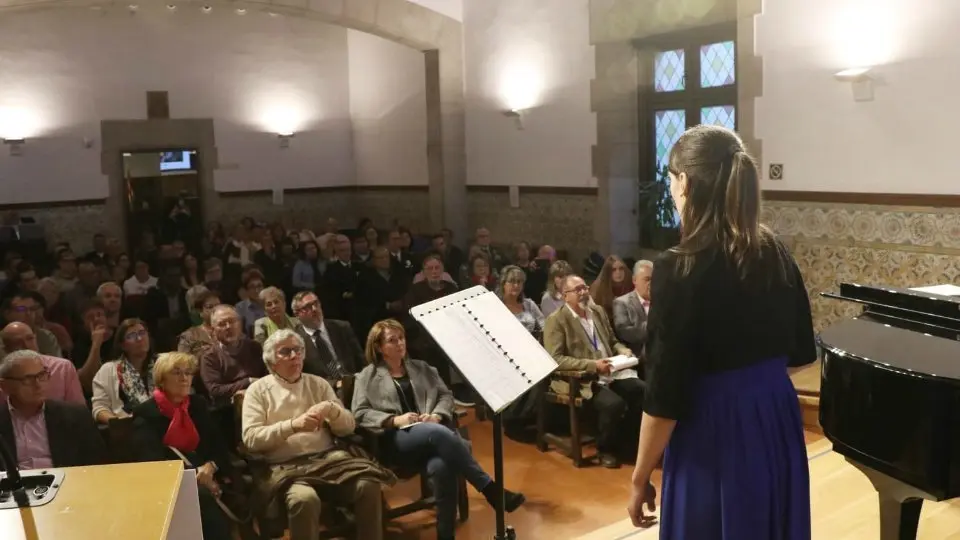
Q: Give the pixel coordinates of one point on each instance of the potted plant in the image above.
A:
(659, 223)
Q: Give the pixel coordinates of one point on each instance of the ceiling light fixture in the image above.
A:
(206, 9)
(172, 7)
(241, 11)
(133, 7)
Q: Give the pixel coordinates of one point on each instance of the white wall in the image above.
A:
(388, 105)
(62, 71)
(450, 8)
(902, 142)
(536, 55)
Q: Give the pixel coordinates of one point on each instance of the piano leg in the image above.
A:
(899, 518)
(900, 504)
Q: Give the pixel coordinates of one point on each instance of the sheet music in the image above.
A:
(487, 343)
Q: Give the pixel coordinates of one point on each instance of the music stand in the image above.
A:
(495, 354)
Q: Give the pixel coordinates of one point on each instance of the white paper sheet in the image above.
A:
(487, 343)
(945, 290)
(622, 361)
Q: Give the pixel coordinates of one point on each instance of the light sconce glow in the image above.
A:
(868, 32)
(284, 121)
(16, 124)
(860, 82)
(517, 116)
(521, 88)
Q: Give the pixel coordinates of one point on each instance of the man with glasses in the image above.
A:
(580, 338)
(332, 349)
(41, 432)
(290, 418)
(234, 362)
(24, 308)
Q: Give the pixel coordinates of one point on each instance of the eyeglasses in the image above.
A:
(209, 306)
(289, 352)
(309, 307)
(579, 290)
(179, 373)
(136, 335)
(25, 309)
(36, 378)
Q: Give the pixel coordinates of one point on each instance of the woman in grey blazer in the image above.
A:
(406, 401)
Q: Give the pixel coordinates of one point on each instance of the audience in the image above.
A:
(120, 385)
(630, 310)
(251, 310)
(62, 384)
(553, 297)
(580, 338)
(198, 338)
(173, 425)
(290, 418)
(406, 401)
(44, 433)
(23, 307)
(275, 307)
(331, 348)
(610, 284)
(234, 363)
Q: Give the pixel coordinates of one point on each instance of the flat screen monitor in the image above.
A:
(177, 160)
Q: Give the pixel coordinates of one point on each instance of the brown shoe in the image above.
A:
(609, 461)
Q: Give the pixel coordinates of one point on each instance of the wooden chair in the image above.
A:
(576, 406)
(426, 500)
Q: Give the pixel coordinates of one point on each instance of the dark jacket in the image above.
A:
(345, 345)
(74, 439)
(150, 426)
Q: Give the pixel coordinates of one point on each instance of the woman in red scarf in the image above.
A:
(175, 419)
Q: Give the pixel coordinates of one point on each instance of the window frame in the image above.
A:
(692, 98)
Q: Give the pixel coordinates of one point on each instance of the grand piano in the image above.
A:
(890, 396)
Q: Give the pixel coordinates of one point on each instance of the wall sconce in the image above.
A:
(16, 146)
(860, 82)
(517, 116)
(285, 139)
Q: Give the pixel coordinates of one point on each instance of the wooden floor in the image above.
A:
(563, 502)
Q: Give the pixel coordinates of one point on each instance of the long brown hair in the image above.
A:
(722, 209)
(602, 289)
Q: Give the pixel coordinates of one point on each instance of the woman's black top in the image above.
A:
(711, 320)
(150, 426)
(408, 400)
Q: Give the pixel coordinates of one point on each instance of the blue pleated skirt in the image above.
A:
(736, 466)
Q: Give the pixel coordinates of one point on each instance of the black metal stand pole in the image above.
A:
(503, 532)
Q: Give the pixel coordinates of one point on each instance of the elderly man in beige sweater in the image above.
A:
(290, 418)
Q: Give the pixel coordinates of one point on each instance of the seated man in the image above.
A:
(63, 384)
(290, 418)
(24, 308)
(234, 362)
(580, 338)
(630, 310)
(332, 350)
(44, 433)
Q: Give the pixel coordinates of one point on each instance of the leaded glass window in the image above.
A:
(669, 71)
(718, 64)
(723, 115)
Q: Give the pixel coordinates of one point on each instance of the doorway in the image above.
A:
(163, 198)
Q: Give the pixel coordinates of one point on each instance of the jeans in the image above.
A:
(446, 457)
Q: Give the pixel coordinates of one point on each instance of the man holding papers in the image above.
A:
(580, 338)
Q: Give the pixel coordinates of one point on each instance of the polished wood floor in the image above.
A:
(562, 501)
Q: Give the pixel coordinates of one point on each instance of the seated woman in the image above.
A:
(120, 385)
(197, 339)
(275, 305)
(412, 422)
(173, 419)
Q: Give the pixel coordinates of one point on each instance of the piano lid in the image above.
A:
(919, 310)
(890, 347)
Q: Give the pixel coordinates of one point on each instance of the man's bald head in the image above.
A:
(18, 336)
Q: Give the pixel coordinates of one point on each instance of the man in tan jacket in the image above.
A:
(580, 338)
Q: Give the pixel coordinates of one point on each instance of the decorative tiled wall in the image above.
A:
(872, 245)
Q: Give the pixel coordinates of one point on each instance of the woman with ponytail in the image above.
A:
(729, 317)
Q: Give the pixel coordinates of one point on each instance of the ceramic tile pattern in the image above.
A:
(872, 245)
